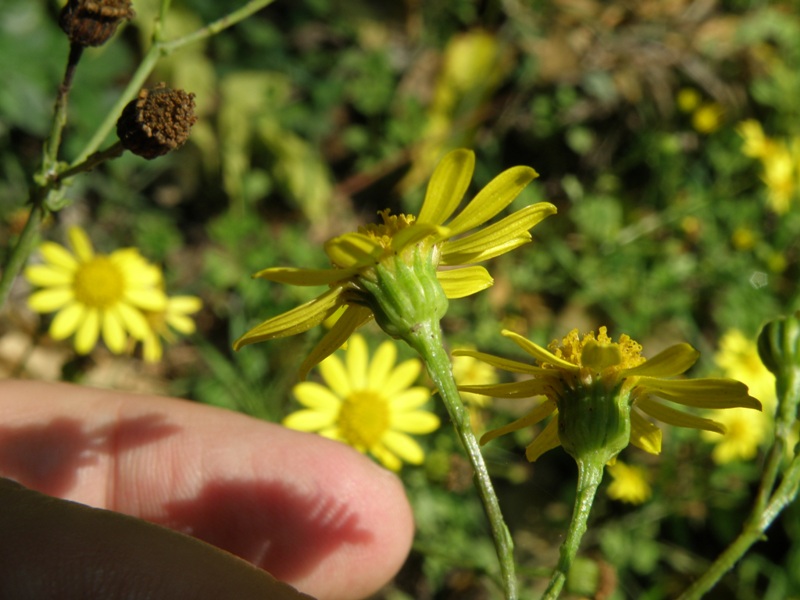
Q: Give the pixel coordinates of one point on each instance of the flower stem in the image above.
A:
(770, 501)
(426, 339)
(590, 474)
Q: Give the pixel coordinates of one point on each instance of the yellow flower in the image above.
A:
(599, 392)
(175, 316)
(368, 405)
(95, 293)
(366, 264)
(756, 144)
(708, 117)
(746, 431)
(629, 483)
(688, 99)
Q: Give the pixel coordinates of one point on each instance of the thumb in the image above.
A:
(52, 548)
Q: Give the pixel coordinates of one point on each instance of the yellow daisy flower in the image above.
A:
(175, 316)
(599, 392)
(368, 405)
(629, 483)
(401, 247)
(95, 294)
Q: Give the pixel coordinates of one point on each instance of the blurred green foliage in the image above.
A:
(316, 114)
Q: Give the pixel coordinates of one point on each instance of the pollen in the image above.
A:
(598, 352)
(384, 232)
(99, 283)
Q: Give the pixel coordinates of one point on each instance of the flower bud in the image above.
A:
(779, 344)
(93, 22)
(157, 121)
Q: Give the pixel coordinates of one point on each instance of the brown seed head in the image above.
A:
(157, 121)
(92, 22)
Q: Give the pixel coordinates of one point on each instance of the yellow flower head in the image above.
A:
(708, 117)
(629, 483)
(368, 405)
(408, 251)
(95, 294)
(599, 392)
(175, 316)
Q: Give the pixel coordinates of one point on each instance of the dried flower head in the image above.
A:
(157, 121)
(93, 22)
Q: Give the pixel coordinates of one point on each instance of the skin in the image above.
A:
(311, 512)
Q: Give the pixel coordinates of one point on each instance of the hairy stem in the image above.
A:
(590, 474)
(427, 341)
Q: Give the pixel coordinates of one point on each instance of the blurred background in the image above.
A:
(667, 133)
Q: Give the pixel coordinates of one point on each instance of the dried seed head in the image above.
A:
(157, 121)
(93, 22)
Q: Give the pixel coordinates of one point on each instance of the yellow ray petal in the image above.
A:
(48, 275)
(58, 256)
(297, 320)
(547, 440)
(352, 318)
(135, 322)
(517, 389)
(315, 396)
(419, 422)
(66, 321)
(334, 374)
(381, 365)
(537, 415)
(401, 377)
(309, 420)
(113, 331)
(672, 361)
(357, 361)
(645, 435)
(496, 239)
(447, 186)
(309, 277)
(49, 300)
(538, 352)
(410, 399)
(671, 416)
(701, 393)
(80, 243)
(88, 332)
(498, 193)
(403, 446)
(505, 364)
(464, 281)
(353, 250)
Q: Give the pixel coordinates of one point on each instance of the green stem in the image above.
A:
(769, 502)
(21, 251)
(159, 49)
(93, 160)
(426, 339)
(590, 474)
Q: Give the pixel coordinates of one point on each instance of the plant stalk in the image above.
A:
(427, 341)
(590, 474)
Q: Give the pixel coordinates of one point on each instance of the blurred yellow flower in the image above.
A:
(366, 264)
(630, 483)
(780, 161)
(603, 388)
(746, 430)
(175, 316)
(708, 117)
(688, 99)
(94, 294)
(368, 405)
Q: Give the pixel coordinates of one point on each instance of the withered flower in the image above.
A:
(93, 22)
(156, 121)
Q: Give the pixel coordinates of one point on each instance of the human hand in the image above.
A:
(314, 513)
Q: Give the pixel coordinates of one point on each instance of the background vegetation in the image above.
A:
(315, 114)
